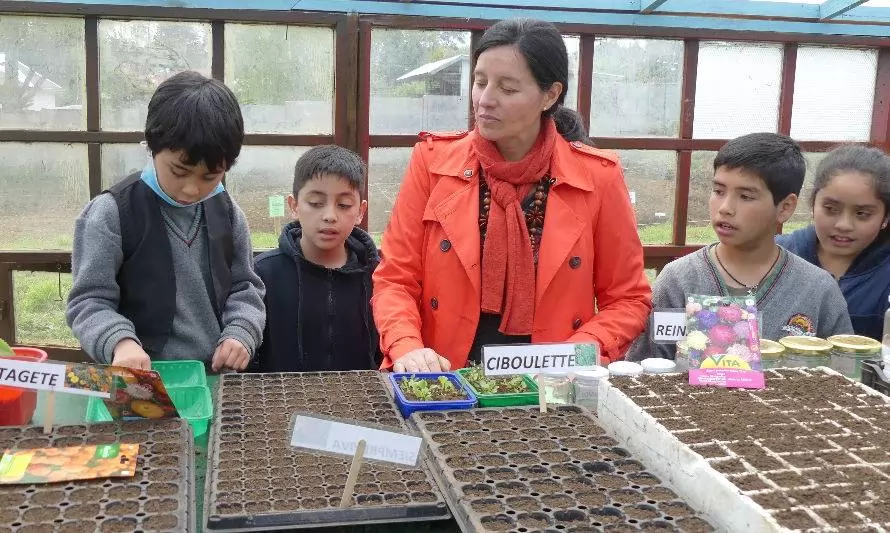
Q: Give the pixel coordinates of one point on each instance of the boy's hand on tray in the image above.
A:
(230, 354)
(130, 354)
(421, 360)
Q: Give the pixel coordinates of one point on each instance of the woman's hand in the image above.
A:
(421, 360)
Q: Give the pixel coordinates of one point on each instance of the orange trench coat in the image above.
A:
(590, 284)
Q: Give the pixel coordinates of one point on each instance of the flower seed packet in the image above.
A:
(723, 341)
(139, 394)
(54, 465)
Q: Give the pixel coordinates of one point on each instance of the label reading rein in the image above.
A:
(668, 326)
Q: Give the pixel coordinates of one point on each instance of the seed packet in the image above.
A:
(723, 341)
(52, 465)
(139, 394)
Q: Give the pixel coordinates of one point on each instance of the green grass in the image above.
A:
(663, 233)
(40, 312)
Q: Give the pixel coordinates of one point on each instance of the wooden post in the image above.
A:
(353, 474)
(49, 413)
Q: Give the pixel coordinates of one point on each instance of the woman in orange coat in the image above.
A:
(510, 233)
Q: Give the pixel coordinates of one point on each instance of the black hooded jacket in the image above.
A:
(317, 318)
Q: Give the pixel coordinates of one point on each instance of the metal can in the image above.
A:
(848, 352)
(772, 354)
(806, 351)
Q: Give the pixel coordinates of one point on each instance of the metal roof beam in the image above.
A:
(830, 9)
(649, 6)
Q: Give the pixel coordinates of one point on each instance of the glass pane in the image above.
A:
(289, 91)
(420, 81)
(698, 225)
(637, 87)
(39, 301)
(121, 160)
(136, 56)
(573, 47)
(41, 73)
(834, 90)
(737, 89)
(698, 229)
(651, 178)
(386, 166)
(263, 172)
(650, 274)
(45, 187)
(803, 215)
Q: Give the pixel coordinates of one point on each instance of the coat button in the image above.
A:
(576, 323)
(445, 245)
(434, 303)
(575, 262)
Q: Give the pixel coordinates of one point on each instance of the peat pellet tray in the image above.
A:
(257, 481)
(160, 497)
(811, 452)
(519, 470)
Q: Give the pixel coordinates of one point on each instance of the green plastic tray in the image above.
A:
(181, 373)
(193, 403)
(504, 400)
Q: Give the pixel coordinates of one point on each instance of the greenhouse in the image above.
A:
(444, 265)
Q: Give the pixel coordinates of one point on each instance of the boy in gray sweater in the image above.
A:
(757, 179)
(162, 260)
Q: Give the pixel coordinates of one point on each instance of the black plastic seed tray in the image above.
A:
(160, 497)
(257, 482)
(876, 375)
(517, 469)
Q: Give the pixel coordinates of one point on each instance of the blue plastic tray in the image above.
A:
(406, 406)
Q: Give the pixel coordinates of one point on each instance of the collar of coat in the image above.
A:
(569, 164)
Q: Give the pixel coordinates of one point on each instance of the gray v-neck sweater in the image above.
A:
(97, 257)
(800, 296)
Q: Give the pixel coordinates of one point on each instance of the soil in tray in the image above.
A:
(814, 426)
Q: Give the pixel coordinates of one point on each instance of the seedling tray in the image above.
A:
(181, 373)
(406, 406)
(503, 400)
(160, 497)
(194, 404)
(519, 470)
(808, 453)
(257, 482)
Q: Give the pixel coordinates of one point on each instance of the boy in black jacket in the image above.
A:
(318, 281)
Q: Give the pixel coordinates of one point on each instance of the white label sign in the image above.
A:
(332, 436)
(668, 326)
(28, 375)
(42, 376)
(633, 197)
(538, 358)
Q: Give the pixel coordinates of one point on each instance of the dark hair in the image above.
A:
(864, 160)
(541, 44)
(775, 158)
(330, 159)
(198, 115)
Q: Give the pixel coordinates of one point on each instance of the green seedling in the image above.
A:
(494, 385)
(430, 390)
(5, 350)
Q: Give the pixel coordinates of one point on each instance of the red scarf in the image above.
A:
(508, 266)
